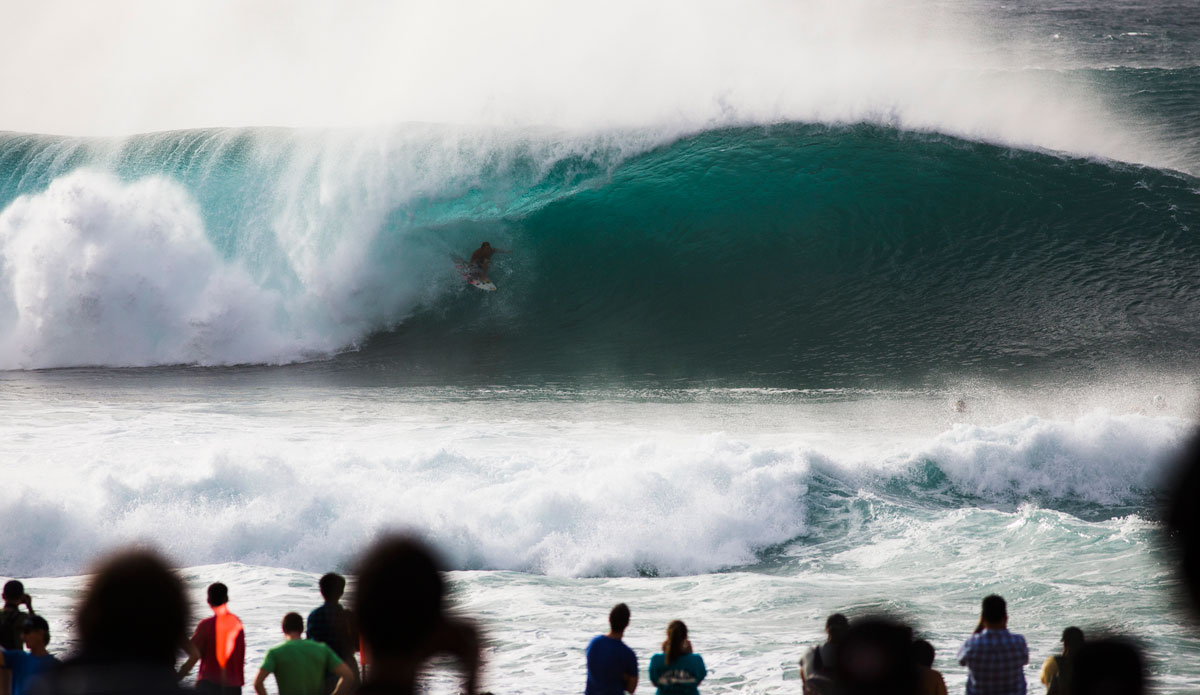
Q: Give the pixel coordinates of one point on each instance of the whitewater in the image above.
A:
(871, 307)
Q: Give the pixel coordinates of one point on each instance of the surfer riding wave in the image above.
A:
(481, 260)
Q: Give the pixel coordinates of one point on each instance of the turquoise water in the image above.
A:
(718, 381)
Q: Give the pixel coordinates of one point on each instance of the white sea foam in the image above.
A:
(99, 272)
(547, 489)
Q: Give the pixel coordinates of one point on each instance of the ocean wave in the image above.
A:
(531, 499)
(792, 250)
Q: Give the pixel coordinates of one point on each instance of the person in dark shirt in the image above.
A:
(817, 665)
(11, 616)
(333, 625)
(612, 666)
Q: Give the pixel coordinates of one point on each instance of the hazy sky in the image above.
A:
(83, 66)
(128, 66)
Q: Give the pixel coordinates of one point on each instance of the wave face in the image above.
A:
(792, 251)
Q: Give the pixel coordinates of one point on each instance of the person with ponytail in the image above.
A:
(677, 671)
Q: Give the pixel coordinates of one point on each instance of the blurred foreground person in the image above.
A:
(130, 626)
(875, 657)
(1108, 667)
(400, 609)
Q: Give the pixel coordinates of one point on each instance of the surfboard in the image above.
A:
(463, 266)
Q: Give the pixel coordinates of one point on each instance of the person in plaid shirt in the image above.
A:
(995, 658)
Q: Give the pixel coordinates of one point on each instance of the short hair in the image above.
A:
(399, 597)
(332, 585)
(13, 590)
(618, 617)
(292, 622)
(36, 622)
(836, 626)
(923, 653)
(218, 594)
(134, 610)
(995, 610)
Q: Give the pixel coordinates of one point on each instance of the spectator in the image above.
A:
(1108, 667)
(129, 628)
(400, 612)
(220, 646)
(1058, 670)
(995, 658)
(12, 618)
(875, 657)
(612, 666)
(27, 665)
(817, 666)
(301, 666)
(677, 670)
(930, 680)
(334, 625)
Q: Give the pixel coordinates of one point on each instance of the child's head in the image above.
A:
(35, 632)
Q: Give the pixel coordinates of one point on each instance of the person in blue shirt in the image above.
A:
(26, 665)
(677, 671)
(612, 666)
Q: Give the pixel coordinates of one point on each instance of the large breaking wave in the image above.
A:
(787, 249)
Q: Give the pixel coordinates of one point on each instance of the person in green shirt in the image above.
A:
(300, 665)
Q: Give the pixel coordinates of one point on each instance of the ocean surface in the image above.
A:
(721, 377)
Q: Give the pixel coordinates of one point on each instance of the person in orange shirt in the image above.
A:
(220, 646)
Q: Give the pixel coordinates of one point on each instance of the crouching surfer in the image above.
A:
(481, 260)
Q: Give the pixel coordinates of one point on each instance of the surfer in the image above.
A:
(481, 260)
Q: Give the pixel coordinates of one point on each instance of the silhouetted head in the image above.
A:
(134, 610)
(36, 623)
(618, 617)
(1108, 667)
(923, 653)
(673, 647)
(1183, 518)
(14, 591)
(836, 626)
(293, 623)
(332, 585)
(218, 594)
(486, 245)
(1072, 640)
(995, 610)
(876, 658)
(399, 597)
